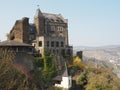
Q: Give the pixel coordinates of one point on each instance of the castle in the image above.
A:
(49, 32)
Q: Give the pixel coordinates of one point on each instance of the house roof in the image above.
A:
(51, 17)
(13, 43)
(55, 17)
(58, 78)
(65, 74)
(62, 74)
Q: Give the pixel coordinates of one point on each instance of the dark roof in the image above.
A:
(13, 43)
(58, 78)
(62, 74)
(51, 17)
(65, 74)
(54, 17)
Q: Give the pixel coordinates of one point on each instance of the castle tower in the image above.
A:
(39, 22)
(20, 31)
(25, 26)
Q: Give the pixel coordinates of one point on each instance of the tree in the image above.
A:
(104, 80)
(82, 79)
(49, 69)
(77, 62)
(10, 77)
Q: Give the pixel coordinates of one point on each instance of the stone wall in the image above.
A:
(48, 28)
(20, 31)
(39, 24)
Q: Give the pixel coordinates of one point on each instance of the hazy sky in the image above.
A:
(91, 22)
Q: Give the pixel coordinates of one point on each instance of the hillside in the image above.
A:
(21, 71)
(14, 76)
(89, 77)
(107, 56)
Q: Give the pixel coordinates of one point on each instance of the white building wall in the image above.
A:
(65, 83)
(41, 48)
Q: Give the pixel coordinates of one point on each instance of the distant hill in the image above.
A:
(105, 53)
(107, 56)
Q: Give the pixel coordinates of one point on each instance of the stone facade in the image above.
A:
(49, 32)
(20, 31)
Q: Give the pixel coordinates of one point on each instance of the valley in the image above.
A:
(105, 56)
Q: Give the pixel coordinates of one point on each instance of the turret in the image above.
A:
(39, 22)
(25, 27)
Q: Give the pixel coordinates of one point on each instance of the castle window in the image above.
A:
(31, 37)
(63, 52)
(57, 44)
(57, 20)
(60, 28)
(52, 28)
(47, 43)
(52, 44)
(68, 51)
(62, 44)
(40, 43)
(52, 20)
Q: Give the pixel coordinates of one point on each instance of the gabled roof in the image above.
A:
(58, 78)
(55, 17)
(62, 74)
(51, 17)
(65, 74)
(13, 43)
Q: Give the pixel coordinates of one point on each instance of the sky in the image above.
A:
(90, 22)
